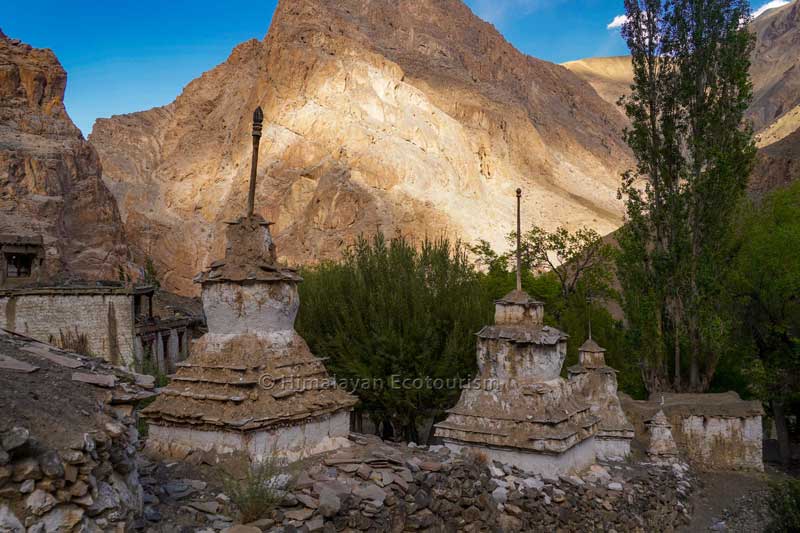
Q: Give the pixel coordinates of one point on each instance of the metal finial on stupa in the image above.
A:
(519, 241)
(258, 120)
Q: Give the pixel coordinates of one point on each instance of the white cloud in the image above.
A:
(619, 20)
(769, 5)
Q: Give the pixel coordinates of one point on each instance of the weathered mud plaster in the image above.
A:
(519, 410)
(713, 431)
(662, 446)
(597, 382)
(251, 383)
(293, 442)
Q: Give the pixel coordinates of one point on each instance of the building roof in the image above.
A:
(34, 240)
(518, 297)
(249, 256)
(78, 289)
(591, 346)
(523, 334)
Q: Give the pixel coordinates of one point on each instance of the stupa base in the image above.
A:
(577, 458)
(293, 442)
(611, 449)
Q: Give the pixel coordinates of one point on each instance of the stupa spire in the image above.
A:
(258, 120)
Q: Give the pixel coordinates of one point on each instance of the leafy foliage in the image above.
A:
(694, 154)
(784, 505)
(151, 273)
(765, 286)
(390, 313)
(262, 488)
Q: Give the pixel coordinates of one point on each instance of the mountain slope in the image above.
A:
(410, 115)
(50, 177)
(611, 77)
(775, 110)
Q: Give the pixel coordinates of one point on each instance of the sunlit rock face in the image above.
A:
(251, 384)
(50, 177)
(383, 115)
(519, 410)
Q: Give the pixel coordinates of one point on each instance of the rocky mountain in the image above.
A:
(391, 115)
(776, 67)
(50, 177)
(775, 110)
(611, 77)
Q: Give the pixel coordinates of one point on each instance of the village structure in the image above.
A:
(112, 320)
(251, 383)
(250, 387)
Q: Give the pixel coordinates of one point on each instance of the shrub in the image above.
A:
(784, 506)
(262, 488)
(72, 341)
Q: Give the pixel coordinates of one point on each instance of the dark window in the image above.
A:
(19, 265)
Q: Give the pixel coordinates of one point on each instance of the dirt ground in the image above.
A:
(731, 501)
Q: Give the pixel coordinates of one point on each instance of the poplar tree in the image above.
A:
(694, 155)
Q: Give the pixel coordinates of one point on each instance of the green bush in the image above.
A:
(391, 312)
(784, 505)
(263, 487)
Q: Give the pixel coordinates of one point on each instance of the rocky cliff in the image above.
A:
(775, 110)
(410, 115)
(50, 177)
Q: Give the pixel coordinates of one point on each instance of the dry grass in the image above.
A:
(72, 341)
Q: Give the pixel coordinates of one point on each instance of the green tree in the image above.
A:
(765, 283)
(694, 154)
(390, 313)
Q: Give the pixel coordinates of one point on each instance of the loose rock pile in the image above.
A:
(68, 440)
(374, 486)
(91, 484)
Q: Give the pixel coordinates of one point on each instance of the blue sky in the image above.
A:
(124, 56)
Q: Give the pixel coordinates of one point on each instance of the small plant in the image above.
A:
(262, 488)
(151, 273)
(476, 457)
(784, 506)
(72, 341)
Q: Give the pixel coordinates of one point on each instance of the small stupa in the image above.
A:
(597, 382)
(662, 447)
(250, 384)
(519, 410)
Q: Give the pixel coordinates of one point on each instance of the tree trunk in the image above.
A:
(677, 359)
(783, 432)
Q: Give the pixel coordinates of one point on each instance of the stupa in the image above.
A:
(519, 410)
(250, 384)
(597, 382)
(662, 447)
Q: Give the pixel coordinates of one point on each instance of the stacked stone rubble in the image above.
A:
(82, 479)
(519, 410)
(597, 382)
(251, 383)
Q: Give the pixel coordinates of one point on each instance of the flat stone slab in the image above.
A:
(101, 380)
(15, 365)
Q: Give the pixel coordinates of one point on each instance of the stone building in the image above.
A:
(713, 431)
(21, 259)
(520, 410)
(107, 319)
(597, 382)
(251, 384)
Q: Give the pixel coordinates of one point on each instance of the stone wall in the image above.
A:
(712, 431)
(91, 485)
(106, 320)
